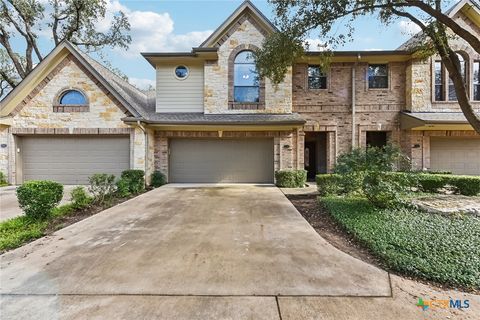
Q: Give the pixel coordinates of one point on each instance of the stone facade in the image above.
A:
(37, 115)
(245, 34)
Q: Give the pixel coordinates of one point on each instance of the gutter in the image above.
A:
(354, 103)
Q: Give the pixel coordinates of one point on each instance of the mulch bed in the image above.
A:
(323, 223)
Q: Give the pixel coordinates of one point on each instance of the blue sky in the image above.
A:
(177, 25)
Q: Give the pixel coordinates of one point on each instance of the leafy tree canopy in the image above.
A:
(72, 20)
(296, 19)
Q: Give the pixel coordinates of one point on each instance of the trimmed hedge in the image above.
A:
(291, 178)
(328, 184)
(37, 198)
(428, 182)
(158, 179)
(466, 185)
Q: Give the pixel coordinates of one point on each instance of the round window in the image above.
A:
(181, 72)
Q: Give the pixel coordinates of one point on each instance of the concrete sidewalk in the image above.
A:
(9, 204)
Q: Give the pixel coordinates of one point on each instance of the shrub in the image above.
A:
(102, 187)
(354, 165)
(3, 179)
(80, 198)
(431, 182)
(64, 210)
(38, 198)
(291, 178)
(134, 180)
(328, 184)
(123, 189)
(385, 189)
(466, 185)
(158, 179)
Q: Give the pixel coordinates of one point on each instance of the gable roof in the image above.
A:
(246, 8)
(133, 99)
(470, 7)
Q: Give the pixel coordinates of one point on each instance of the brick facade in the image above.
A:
(286, 145)
(330, 110)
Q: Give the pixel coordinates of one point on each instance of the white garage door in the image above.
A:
(221, 160)
(72, 159)
(458, 155)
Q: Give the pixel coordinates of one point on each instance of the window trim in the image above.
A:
(235, 86)
(58, 107)
(475, 62)
(175, 72)
(326, 76)
(232, 105)
(368, 76)
(434, 78)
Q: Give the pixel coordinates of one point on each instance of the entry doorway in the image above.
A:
(315, 153)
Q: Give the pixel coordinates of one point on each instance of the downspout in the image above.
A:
(353, 103)
(145, 135)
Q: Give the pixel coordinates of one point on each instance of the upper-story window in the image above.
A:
(439, 80)
(246, 81)
(71, 100)
(476, 81)
(452, 94)
(72, 97)
(317, 79)
(377, 76)
(181, 72)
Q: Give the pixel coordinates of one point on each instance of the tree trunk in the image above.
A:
(452, 64)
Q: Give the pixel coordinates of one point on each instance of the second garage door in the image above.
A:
(221, 160)
(458, 155)
(72, 159)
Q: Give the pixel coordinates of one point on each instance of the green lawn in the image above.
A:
(433, 247)
(20, 230)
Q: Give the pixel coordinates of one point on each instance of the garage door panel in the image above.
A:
(221, 160)
(71, 160)
(458, 155)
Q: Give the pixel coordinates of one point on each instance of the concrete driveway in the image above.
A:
(183, 253)
(9, 205)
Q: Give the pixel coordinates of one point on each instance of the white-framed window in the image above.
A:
(377, 76)
(246, 84)
(317, 79)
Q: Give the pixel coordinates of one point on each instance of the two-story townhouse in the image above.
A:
(211, 119)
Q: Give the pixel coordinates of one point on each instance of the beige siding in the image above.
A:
(174, 95)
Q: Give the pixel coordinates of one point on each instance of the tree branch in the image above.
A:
(472, 39)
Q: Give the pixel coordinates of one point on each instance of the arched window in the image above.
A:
(452, 95)
(245, 81)
(72, 97)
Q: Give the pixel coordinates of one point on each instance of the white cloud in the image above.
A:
(408, 27)
(315, 45)
(152, 31)
(142, 84)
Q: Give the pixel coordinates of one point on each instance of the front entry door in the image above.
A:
(310, 159)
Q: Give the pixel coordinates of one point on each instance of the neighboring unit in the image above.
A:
(211, 119)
